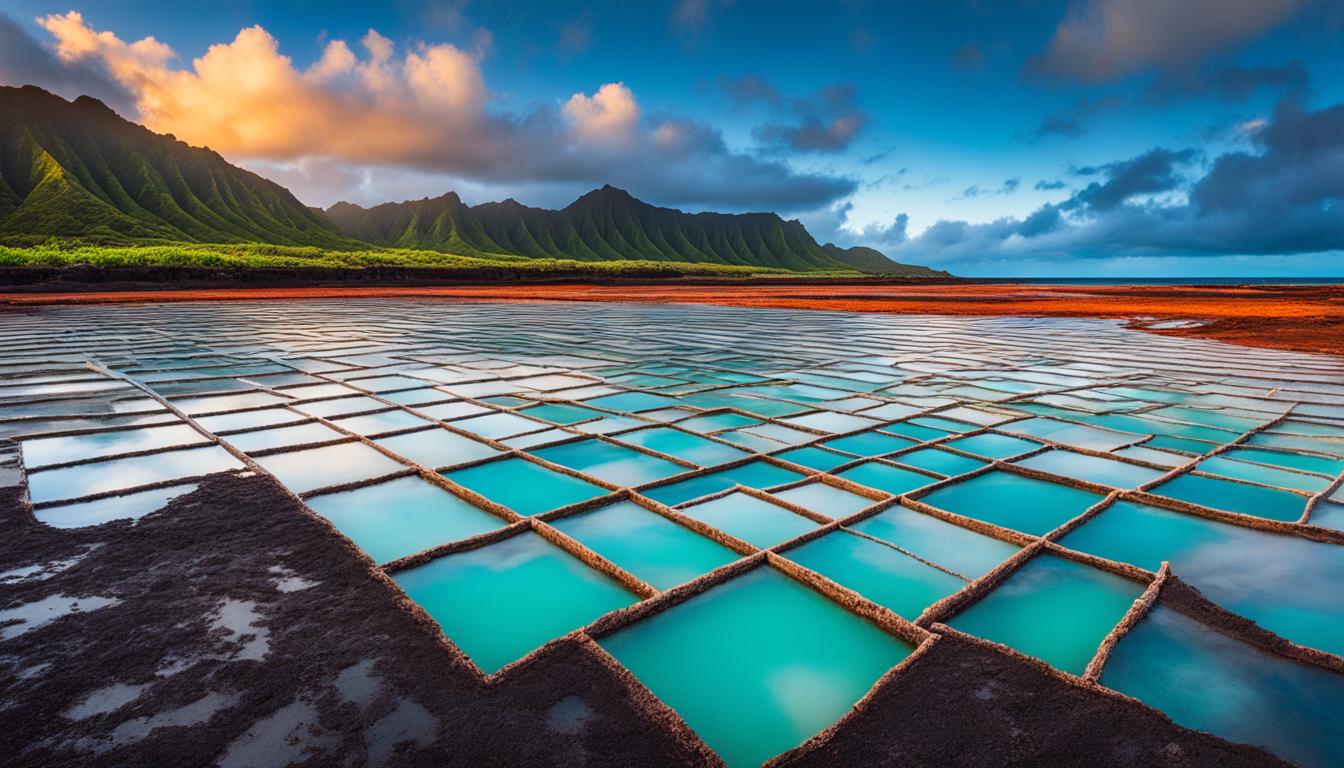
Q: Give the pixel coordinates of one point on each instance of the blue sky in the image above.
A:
(1094, 137)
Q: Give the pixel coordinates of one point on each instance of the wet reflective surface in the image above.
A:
(636, 449)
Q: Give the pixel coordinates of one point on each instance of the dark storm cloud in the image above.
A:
(1154, 171)
(1284, 197)
(827, 121)
(1232, 83)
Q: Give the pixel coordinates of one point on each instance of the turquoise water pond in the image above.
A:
(525, 487)
(755, 474)
(755, 521)
(501, 601)
(1023, 504)
(1054, 609)
(955, 548)
(880, 573)
(403, 516)
(1255, 573)
(542, 407)
(653, 548)
(758, 664)
(1206, 680)
(1234, 497)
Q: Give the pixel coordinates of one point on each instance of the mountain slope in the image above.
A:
(603, 225)
(874, 262)
(77, 169)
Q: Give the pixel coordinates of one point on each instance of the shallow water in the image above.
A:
(880, 573)
(825, 499)
(1054, 609)
(755, 474)
(543, 379)
(1233, 497)
(1206, 680)
(1021, 503)
(503, 600)
(525, 487)
(120, 474)
(958, 549)
(314, 468)
(401, 517)
(1093, 469)
(1267, 577)
(650, 546)
(758, 664)
(755, 521)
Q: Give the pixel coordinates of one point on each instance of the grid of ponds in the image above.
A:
(758, 513)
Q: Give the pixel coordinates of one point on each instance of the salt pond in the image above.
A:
(636, 448)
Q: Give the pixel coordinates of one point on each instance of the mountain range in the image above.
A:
(77, 170)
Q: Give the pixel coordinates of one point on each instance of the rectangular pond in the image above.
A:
(610, 425)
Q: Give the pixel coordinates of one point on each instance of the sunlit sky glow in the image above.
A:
(1036, 137)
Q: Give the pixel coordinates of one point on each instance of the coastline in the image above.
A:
(1299, 318)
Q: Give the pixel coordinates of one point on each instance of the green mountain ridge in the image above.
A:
(77, 171)
(605, 224)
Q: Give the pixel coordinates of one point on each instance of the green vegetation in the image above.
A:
(76, 169)
(81, 185)
(264, 256)
(603, 225)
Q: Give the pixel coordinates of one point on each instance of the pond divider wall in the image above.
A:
(1142, 605)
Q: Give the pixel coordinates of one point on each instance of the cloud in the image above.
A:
(1285, 197)
(611, 114)
(1101, 40)
(24, 61)
(1046, 186)
(1233, 83)
(826, 121)
(1008, 187)
(426, 108)
(1152, 172)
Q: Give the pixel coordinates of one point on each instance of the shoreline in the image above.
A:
(1299, 318)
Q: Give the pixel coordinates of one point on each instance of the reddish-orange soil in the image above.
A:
(1300, 318)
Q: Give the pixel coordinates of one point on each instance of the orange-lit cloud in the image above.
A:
(424, 108)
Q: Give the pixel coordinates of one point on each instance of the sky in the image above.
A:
(1104, 138)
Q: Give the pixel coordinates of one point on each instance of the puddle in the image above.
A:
(27, 617)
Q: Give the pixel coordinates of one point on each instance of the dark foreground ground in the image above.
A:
(245, 633)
